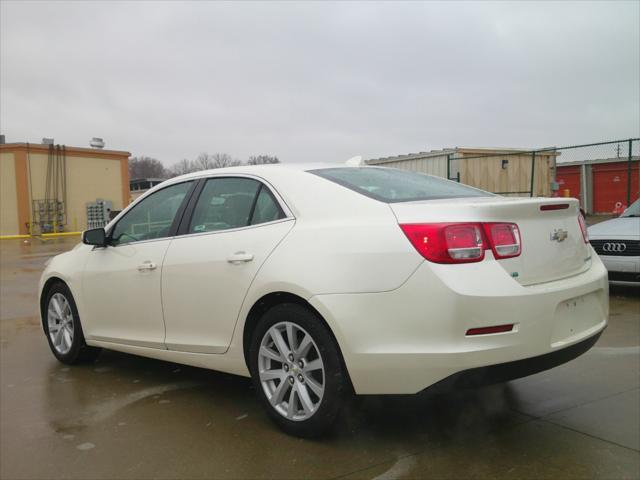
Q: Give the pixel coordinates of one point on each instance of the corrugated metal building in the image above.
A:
(498, 170)
(46, 188)
(600, 184)
(434, 162)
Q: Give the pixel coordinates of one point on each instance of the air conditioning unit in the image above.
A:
(47, 141)
(97, 142)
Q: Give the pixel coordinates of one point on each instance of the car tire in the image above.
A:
(316, 373)
(62, 327)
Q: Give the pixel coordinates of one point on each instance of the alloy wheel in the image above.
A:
(291, 371)
(60, 323)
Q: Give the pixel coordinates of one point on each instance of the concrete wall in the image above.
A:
(90, 174)
(8, 195)
(87, 180)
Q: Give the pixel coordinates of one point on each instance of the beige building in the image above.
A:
(46, 188)
(497, 170)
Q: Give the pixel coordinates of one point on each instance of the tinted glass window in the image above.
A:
(266, 209)
(633, 210)
(392, 185)
(223, 204)
(152, 217)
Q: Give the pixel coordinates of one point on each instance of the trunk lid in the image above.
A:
(545, 257)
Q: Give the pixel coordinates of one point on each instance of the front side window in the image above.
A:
(392, 185)
(227, 203)
(152, 217)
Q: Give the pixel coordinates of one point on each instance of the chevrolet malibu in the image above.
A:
(318, 282)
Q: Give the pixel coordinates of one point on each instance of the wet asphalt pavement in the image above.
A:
(130, 417)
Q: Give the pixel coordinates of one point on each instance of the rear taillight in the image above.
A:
(463, 242)
(504, 239)
(583, 227)
(447, 242)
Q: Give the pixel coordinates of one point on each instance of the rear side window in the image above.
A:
(227, 203)
(266, 209)
(391, 185)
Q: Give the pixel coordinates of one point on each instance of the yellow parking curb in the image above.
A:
(46, 235)
(12, 237)
(61, 234)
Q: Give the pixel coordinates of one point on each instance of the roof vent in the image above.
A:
(97, 142)
(47, 141)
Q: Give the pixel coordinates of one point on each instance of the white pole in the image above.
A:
(585, 195)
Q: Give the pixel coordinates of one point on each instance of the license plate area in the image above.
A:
(576, 316)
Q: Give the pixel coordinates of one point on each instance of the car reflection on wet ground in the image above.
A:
(131, 417)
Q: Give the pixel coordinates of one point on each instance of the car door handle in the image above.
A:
(240, 257)
(147, 266)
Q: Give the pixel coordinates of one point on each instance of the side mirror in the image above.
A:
(95, 236)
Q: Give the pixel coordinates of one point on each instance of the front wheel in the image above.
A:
(296, 370)
(61, 324)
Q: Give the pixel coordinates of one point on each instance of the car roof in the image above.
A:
(299, 189)
(258, 169)
(268, 172)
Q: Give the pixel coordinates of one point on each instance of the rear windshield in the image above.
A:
(391, 185)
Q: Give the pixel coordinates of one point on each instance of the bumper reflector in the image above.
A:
(488, 330)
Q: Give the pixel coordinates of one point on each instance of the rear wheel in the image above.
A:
(296, 370)
(61, 324)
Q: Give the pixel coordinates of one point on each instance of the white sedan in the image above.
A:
(321, 281)
(617, 241)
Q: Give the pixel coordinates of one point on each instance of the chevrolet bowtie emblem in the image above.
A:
(559, 235)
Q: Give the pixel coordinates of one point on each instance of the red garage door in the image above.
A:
(610, 186)
(568, 178)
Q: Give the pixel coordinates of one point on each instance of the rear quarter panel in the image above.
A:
(342, 242)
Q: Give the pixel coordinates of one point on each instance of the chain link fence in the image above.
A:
(603, 176)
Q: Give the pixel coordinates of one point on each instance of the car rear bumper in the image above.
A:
(503, 372)
(405, 340)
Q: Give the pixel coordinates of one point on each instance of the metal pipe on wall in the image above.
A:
(629, 174)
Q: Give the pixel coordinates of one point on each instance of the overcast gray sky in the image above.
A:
(318, 81)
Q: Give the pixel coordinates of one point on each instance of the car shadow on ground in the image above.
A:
(117, 382)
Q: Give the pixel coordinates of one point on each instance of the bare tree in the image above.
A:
(262, 160)
(204, 161)
(146, 167)
(182, 167)
(222, 160)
